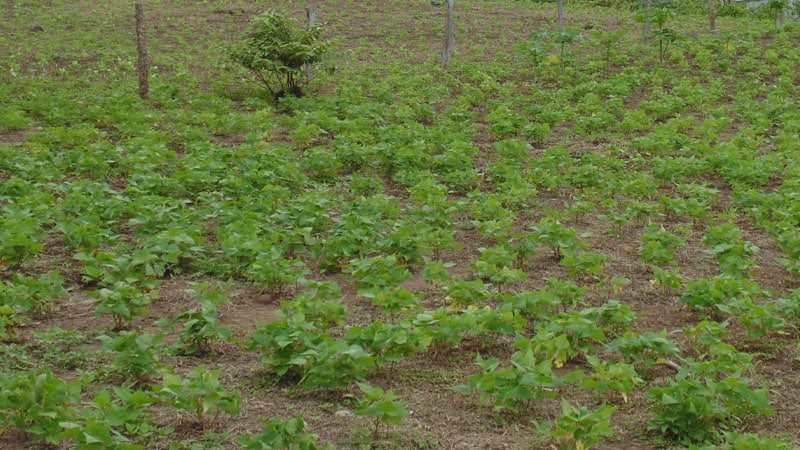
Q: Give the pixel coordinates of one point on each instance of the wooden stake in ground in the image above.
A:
(449, 35)
(311, 15)
(712, 15)
(560, 14)
(141, 48)
(10, 8)
(646, 22)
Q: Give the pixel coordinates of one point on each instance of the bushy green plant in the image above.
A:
(281, 434)
(200, 326)
(694, 408)
(758, 319)
(659, 245)
(320, 306)
(378, 272)
(294, 349)
(776, 8)
(788, 238)
(536, 52)
(384, 406)
(390, 342)
(463, 292)
(201, 394)
(580, 428)
(137, 354)
(541, 303)
(648, 348)
(497, 264)
(21, 235)
(745, 441)
(275, 49)
(515, 387)
(491, 218)
(732, 252)
(274, 269)
(448, 326)
(36, 296)
(109, 268)
(542, 42)
(579, 331)
(24, 297)
(717, 294)
(659, 17)
(553, 344)
(666, 280)
(392, 301)
(174, 248)
(66, 349)
(562, 239)
(504, 122)
(609, 377)
(708, 395)
(37, 403)
(732, 10)
(108, 422)
(17, 357)
(612, 316)
(125, 302)
(13, 119)
(584, 264)
(608, 39)
(707, 333)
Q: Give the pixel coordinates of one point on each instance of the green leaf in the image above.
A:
(667, 399)
(90, 439)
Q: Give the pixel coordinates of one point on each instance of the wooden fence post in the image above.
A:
(311, 15)
(141, 48)
(712, 15)
(560, 14)
(449, 35)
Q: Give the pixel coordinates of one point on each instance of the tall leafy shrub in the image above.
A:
(275, 50)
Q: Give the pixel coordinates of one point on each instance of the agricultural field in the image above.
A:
(573, 238)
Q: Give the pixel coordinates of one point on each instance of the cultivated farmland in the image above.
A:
(572, 238)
